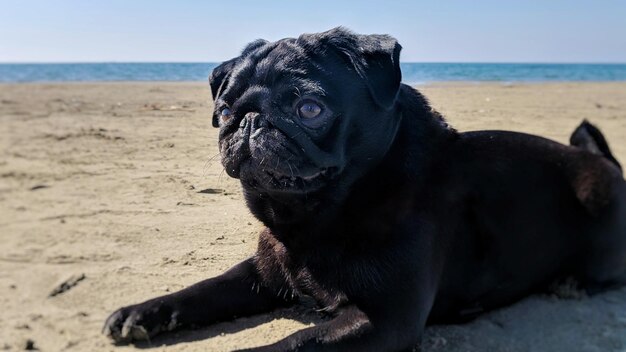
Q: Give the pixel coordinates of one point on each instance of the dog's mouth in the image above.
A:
(294, 180)
(278, 181)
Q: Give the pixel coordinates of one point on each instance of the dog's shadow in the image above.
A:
(304, 312)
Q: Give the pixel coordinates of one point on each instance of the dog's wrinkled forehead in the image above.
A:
(270, 63)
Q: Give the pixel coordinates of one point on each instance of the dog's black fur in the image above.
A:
(380, 211)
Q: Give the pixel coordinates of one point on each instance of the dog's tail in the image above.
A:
(589, 137)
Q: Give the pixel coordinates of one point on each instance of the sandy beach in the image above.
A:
(118, 190)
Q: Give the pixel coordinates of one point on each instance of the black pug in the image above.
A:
(385, 215)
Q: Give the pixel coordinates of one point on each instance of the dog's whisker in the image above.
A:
(297, 135)
(290, 169)
(219, 178)
(277, 163)
(207, 164)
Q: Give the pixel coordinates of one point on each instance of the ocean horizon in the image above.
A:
(413, 73)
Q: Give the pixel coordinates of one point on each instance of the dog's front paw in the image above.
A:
(140, 322)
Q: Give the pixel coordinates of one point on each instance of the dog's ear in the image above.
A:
(376, 59)
(381, 71)
(220, 75)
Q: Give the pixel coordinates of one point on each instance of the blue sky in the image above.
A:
(201, 31)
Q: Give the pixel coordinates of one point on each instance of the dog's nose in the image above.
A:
(253, 122)
(249, 119)
(251, 115)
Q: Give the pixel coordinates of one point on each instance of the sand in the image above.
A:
(121, 183)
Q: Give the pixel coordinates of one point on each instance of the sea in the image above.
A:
(412, 73)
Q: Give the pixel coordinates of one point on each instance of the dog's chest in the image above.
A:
(328, 297)
(320, 276)
(332, 274)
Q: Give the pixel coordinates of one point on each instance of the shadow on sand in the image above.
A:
(303, 313)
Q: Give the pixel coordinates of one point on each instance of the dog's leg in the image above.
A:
(604, 263)
(237, 292)
(353, 330)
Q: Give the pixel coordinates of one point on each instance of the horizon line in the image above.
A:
(402, 62)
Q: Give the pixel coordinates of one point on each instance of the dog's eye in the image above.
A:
(309, 110)
(225, 114)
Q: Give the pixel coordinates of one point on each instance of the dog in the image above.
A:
(378, 209)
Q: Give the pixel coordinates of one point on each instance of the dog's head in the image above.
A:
(299, 115)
